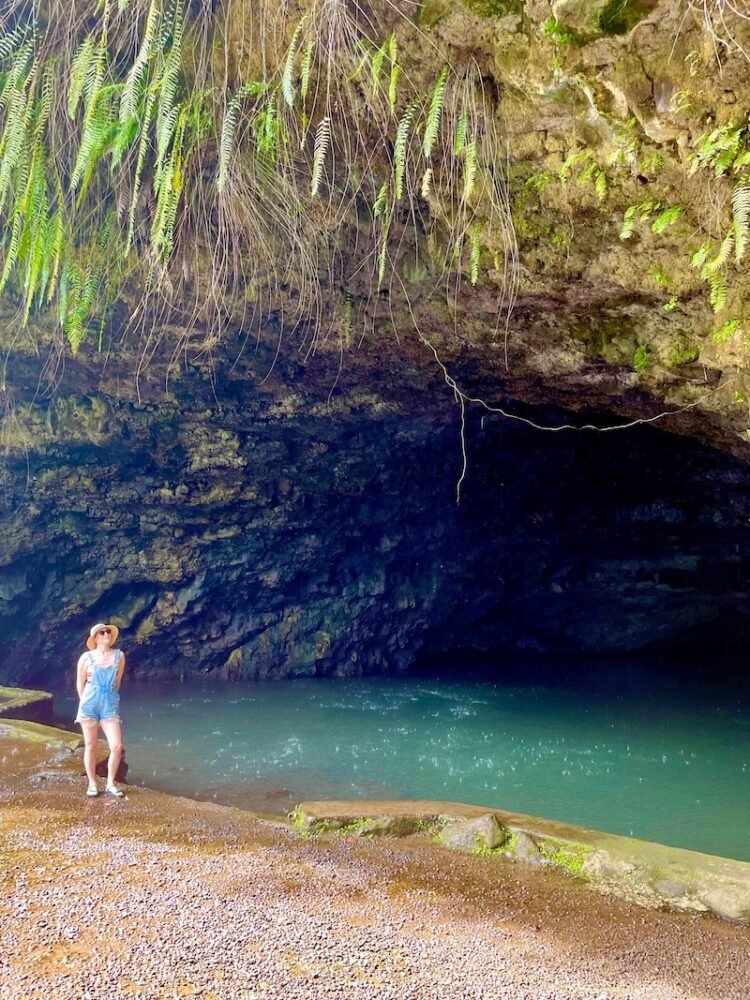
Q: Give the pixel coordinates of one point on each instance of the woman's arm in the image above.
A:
(120, 671)
(81, 675)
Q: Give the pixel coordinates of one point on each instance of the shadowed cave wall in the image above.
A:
(241, 540)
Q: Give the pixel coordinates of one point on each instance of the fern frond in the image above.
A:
(322, 143)
(718, 295)
(228, 126)
(666, 218)
(135, 75)
(740, 216)
(79, 72)
(124, 136)
(376, 67)
(11, 254)
(475, 254)
(701, 255)
(379, 208)
(382, 256)
(470, 169)
(12, 40)
(97, 132)
(432, 125)
(719, 262)
(306, 70)
(399, 148)
(148, 112)
(628, 222)
(287, 77)
(462, 128)
(393, 79)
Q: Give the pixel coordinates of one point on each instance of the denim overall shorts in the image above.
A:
(100, 700)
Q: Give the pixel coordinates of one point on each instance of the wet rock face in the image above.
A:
(247, 540)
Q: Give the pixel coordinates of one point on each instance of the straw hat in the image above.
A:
(91, 641)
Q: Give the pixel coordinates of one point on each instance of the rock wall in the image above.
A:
(247, 536)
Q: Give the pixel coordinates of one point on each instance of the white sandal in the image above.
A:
(92, 792)
(114, 791)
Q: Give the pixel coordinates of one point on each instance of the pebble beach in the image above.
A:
(154, 896)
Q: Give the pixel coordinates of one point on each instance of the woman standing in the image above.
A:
(98, 678)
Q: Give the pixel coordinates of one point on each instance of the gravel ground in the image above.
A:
(153, 896)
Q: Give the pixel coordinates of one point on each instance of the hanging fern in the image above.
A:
(395, 73)
(719, 262)
(306, 70)
(462, 128)
(138, 69)
(228, 126)
(475, 254)
(399, 148)
(718, 285)
(666, 218)
(322, 143)
(740, 216)
(287, 77)
(470, 169)
(79, 73)
(432, 125)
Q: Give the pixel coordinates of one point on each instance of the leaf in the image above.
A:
(462, 127)
(740, 215)
(475, 254)
(306, 70)
(432, 126)
(666, 218)
(287, 77)
(228, 126)
(133, 79)
(470, 169)
(726, 332)
(79, 71)
(322, 142)
(399, 148)
(427, 183)
(393, 85)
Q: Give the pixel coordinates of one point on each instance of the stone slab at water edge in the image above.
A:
(649, 874)
(19, 703)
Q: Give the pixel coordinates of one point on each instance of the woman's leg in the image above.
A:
(113, 731)
(90, 731)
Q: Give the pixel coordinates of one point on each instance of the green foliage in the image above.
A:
(322, 145)
(666, 218)
(588, 169)
(399, 149)
(567, 855)
(475, 254)
(113, 152)
(553, 30)
(640, 358)
(432, 125)
(721, 150)
(726, 331)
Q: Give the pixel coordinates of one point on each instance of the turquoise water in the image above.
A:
(631, 754)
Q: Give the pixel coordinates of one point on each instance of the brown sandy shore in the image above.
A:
(154, 896)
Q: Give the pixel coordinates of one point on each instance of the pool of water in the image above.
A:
(623, 751)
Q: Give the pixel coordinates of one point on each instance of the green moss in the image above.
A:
(493, 8)
(559, 34)
(565, 854)
(482, 850)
